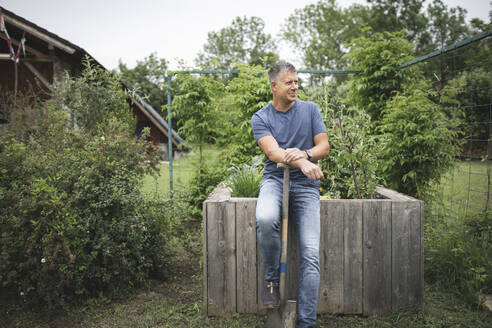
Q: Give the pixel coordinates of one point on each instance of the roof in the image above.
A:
(50, 39)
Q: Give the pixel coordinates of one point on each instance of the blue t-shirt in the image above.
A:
(294, 128)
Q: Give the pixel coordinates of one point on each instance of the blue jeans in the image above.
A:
(304, 212)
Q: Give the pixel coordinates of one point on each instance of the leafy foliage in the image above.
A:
(447, 25)
(194, 108)
(93, 99)
(319, 31)
(351, 167)
(73, 222)
(243, 42)
(246, 94)
(148, 78)
(245, 181)
(322, 32)
(419, 147)
(378, 57)
(205, 179)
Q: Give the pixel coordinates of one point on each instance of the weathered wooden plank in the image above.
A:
(221, 247)
(261, 280)
(352, 273)
(393, 195)
(406, 253)
(415, 294)
(246, 256)
(221, 193)
(376, 256)
(400, 265)
(331, 257)
(205, 257)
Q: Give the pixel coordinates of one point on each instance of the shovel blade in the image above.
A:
(274, 319)
(289, 315)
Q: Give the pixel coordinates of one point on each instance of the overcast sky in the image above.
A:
(130, 30)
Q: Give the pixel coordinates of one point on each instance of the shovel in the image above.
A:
(285, 317)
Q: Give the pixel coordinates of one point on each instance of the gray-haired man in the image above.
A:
(290, 131)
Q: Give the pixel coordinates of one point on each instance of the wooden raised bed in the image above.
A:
(371, 255)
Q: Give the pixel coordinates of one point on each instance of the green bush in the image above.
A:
(419, 142)
(350, 169)
(245, 182)
(205, 179)
(74, 223)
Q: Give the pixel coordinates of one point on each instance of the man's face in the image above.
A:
(286, 87)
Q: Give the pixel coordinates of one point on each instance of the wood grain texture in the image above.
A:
(221, 245)
(377, 257)
(330, 298)
(371, 256)
(406, 252)
(352, 255)
(246, 256)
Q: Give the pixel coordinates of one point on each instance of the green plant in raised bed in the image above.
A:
(245, 181)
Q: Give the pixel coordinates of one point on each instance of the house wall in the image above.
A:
(26, 80)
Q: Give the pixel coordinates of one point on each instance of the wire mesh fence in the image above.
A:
(462, 78)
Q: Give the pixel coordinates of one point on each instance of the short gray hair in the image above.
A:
(279, 68)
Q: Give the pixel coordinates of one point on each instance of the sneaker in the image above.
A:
(271, 298)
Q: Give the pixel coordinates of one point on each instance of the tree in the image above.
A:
(397, 15)
(417, 134)
(319, 31)
(246, 94)
(446, 25)
(243, 42)
(322, 32)
(148, 78)
(377, 57)
(194, 108)
(94, 99)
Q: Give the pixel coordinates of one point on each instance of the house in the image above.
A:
(46, 57)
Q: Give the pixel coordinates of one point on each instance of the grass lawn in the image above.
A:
(182, 171)
(178, 302)
(465, 189)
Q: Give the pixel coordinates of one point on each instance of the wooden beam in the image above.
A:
(37, 59)
(393, 195)
(28, 59)
(38, 75)
(30, 49)
(38, 34)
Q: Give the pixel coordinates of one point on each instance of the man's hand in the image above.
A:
(293, 154)
(311, 170)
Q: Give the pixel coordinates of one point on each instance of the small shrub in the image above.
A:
(351, 166)
(205, 179)
(245, 182)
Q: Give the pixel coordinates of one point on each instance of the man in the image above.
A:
(290, 131)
